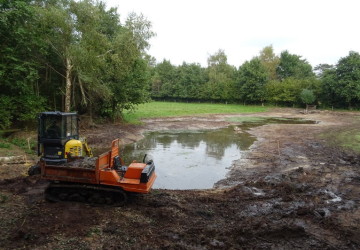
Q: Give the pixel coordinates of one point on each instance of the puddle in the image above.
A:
(196, 159)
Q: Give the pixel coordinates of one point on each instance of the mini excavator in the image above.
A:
(67, 162)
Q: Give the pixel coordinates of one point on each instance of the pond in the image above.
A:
(196, 159)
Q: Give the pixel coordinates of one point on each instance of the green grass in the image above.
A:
(24, 144)
(171, 109)
(5, 145)
(349, 139)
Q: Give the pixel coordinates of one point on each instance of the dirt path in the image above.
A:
(290, 190)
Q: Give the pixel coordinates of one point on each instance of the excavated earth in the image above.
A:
(293, 189)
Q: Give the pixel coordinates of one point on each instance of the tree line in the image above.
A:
(70, 55)
(77, 55)
(285, 79)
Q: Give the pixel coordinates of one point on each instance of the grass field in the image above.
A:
(168, 109)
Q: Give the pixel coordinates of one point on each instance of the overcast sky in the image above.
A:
(321, 31)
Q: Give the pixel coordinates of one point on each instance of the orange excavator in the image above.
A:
(67, 161)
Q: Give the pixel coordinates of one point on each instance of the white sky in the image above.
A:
(321, 31)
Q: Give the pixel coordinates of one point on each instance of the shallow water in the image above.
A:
(195, 159)
(190, 159)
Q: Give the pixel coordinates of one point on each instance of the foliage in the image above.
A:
(141, 29)
(7, 111)
(252, 77)
(268, 77)
(341, 84)
(220, 75)
(288, 91)
(348, 78)
(307, 96)
(283, 92)
(329, 94)
(184, 82)
(26, 145)
(321, 69)
(19, 48)
(291, 65)
(77, 51)
(191, 78)
(270, 61)
(5, 145)
(105, 57)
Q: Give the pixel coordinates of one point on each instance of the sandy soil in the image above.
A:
(292, 189)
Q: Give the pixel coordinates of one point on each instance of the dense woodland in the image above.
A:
(76, 55)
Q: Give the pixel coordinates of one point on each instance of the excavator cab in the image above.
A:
(58, 138)
(58, 126)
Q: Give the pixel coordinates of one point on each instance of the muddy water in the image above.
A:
(196, 159)
(190, 159)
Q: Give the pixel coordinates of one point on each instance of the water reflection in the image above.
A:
(190, 159)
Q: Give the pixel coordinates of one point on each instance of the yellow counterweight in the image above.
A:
(73, 148)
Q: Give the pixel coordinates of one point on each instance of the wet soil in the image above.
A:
(291, 189)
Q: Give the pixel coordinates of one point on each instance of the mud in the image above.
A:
(291, 189)
(87, 162)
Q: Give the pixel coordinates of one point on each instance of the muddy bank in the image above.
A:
(290, 190)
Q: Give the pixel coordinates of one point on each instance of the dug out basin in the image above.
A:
(197, 159)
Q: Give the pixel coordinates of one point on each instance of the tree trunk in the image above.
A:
(91, 114)
(73, 91)
(83, 96)
(68, 85)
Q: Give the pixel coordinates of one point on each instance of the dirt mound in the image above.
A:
(87, 162)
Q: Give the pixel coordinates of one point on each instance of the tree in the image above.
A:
(163, 80)
(252, 77)
(288, 91)
(348, 78)
(141, 29)
(218, 59)
(221, 77)
(307, 96)
(63, 36)
(191, 79)
(98, 56)
(321, 69)
(20, 47)
(283, 92)
(293, 66)
(270, 61)
(96, 28)
(329, 89)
